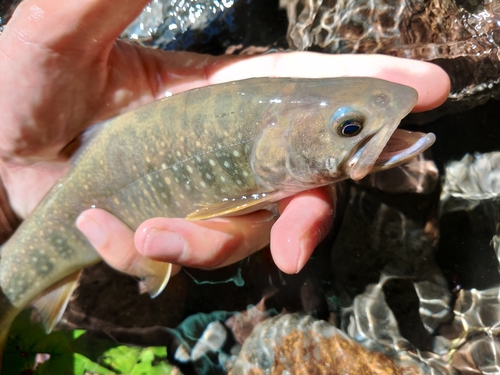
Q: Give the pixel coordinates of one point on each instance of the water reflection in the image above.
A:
(413, 276)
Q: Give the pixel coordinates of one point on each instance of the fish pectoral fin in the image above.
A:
(154, 275)
(52, 303)
(240, 205)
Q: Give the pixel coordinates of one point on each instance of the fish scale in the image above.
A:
(211, 151)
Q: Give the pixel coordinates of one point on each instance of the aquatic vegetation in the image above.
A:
(31, 350)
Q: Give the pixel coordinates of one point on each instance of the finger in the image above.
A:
(73, 24)
(205, 244)
(431, 82)
(188, 70)
(113, 240)
(304, 222)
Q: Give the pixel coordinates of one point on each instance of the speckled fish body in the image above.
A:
(209, 147)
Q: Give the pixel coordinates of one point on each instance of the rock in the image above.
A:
(299, 344)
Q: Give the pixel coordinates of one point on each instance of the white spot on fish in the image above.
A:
(164, 166)
(227, 164)
(189, 169)
(208, 176)
(331, 165)
(236, 153)
(203, 184)
(223, 179)
(211, 162)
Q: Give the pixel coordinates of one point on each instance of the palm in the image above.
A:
(61, 105)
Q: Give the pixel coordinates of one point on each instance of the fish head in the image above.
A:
(344, 128)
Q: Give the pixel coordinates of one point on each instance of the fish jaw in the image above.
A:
(401, 146)
(365, 157)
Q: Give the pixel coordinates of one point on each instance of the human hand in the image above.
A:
(69, 72)
(304, 219)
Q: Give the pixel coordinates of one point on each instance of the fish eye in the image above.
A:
(347, 122)
(350, 128)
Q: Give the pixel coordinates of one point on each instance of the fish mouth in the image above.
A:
(400, 146)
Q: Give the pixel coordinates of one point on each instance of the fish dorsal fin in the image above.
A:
(52, 303)
(240, 205)
(154, 274)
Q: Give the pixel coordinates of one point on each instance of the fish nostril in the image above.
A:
(381, 100)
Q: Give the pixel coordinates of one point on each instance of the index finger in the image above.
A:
(431, 82)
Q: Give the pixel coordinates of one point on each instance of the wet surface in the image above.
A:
(412, 276)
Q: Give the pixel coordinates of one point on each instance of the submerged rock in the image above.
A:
(300, 344)
(476, 347)
(392, 294)
(471, 197)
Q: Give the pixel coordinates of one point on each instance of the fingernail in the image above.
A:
(92, 230)
(305, 244)
(168, 246)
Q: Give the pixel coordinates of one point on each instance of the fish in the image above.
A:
(218, 150)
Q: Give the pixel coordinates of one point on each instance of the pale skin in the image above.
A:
(63, 70)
